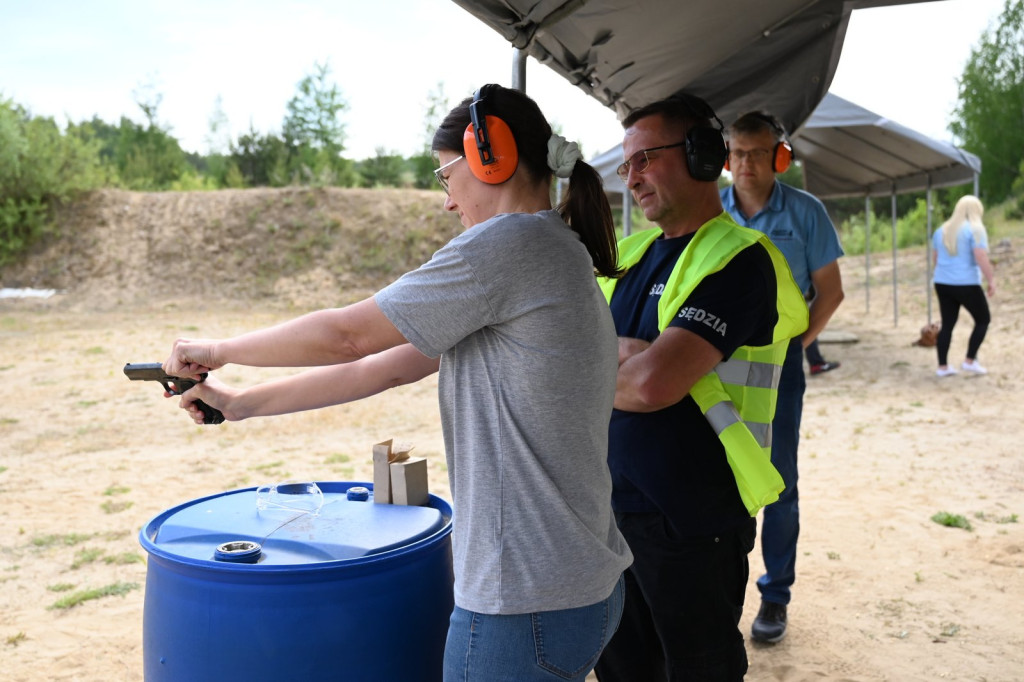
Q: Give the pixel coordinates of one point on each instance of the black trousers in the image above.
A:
(684, 599)
(813, 353)
(951, 298)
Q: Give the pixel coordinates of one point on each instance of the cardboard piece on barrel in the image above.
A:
(385, 454)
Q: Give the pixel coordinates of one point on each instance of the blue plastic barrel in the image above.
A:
(349, 590)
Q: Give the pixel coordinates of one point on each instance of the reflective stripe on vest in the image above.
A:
(724, 414)
(738, 397)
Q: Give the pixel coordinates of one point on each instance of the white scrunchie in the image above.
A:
(562, 155)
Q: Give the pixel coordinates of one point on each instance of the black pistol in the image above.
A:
(154, 371)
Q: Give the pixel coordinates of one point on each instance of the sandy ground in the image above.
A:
(883, 591)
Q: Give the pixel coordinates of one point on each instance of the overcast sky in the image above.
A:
(73, 59)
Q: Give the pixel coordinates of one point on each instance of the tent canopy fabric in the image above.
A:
(848, 151)
(736, 54)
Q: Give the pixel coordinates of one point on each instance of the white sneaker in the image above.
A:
(948, 372)
(973, 366)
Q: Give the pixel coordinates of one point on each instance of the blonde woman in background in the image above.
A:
(961, 258)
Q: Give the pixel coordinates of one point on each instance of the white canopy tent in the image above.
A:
(848, 151)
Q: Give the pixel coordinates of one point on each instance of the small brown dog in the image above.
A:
(929, 335)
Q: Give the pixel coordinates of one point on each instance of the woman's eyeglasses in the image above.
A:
(640, 161)
(441, 177)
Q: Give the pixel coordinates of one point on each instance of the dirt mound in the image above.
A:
(299, 247)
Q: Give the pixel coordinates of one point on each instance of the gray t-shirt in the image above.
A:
(527, 379)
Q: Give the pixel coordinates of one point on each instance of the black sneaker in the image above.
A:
(770, 625)
(824, 367)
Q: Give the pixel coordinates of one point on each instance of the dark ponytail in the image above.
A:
(585, 208)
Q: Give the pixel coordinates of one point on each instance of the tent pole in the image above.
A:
(928, 251)
(867, 253)
(975, 184)
(627, 213)
(519, 69)
(895, 274)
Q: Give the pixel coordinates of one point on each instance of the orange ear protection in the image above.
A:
(488, 143)
(782, 152)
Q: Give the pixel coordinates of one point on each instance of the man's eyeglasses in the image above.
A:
(737, 156)
(640, 161)
(441, 177)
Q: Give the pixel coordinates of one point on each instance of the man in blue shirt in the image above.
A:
(798, 225)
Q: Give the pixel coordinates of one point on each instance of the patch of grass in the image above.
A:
(61, 587)
(952, 520)
(267, 467)
(68, 539)
(86, 556)
(3, 469)
(15, 640)
(124, 559)
(982, 516)
(95, 350)
(116, 490)
(337, 458)
(76, 598)
(5, 421)
(834, 556)
(112, 507)
(112, 535)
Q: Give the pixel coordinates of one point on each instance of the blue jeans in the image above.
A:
(530, 647)
(781, 524)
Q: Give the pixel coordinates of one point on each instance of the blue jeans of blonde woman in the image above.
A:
(548, 646)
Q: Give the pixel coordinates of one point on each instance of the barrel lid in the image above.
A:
(343, 527)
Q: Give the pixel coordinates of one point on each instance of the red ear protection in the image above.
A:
(488, 143)
(782, 156)
(782, 152)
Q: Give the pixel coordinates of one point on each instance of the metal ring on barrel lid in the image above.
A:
(358, 493)
(238, 552)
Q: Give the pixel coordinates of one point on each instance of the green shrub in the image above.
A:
(39, 168)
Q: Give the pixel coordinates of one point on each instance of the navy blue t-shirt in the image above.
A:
(671, 460)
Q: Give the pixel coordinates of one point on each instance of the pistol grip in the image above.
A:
(211, 415)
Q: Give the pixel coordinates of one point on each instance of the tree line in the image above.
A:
(41, 165)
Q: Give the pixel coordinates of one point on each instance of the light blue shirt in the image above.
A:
(961, 269)
(797, 224)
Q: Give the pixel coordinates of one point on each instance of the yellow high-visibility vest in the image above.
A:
(739, 395)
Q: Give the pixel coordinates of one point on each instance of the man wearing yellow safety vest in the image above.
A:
(704, 314)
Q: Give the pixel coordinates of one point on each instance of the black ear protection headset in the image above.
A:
(706, 152)
(782, 152)
(488, 143)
